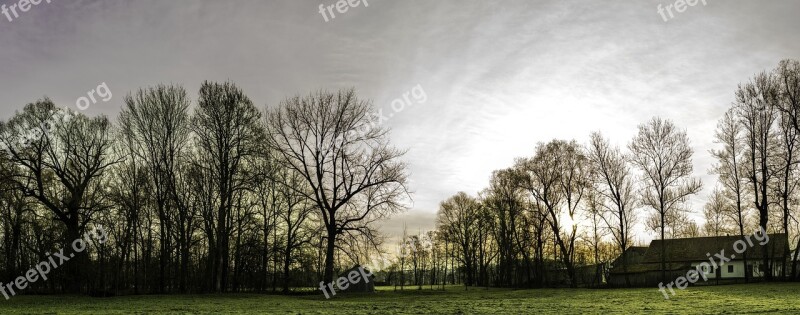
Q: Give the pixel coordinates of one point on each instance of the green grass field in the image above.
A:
(778, 298)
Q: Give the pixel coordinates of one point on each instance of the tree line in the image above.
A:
(216, 197)
(560, 216)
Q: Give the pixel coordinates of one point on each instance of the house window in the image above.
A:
(730, 268)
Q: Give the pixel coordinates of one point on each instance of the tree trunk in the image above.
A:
(287, 261)
(75, 264)
(794, 260)
(329, 251)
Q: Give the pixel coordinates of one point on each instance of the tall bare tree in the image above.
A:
(755, 105)
(787, 77)
(557, 176)
(594, 237)
(662, 152)
(61, 158)
(128, 189)
(228, 130)
(355, 177)
(505, 200)
(730, 168)
(785, 168)
(614, 182)
(157, 119)
(458, 216)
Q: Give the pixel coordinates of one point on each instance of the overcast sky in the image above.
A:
(500, 76)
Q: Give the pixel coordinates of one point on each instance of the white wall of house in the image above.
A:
(738, 269)
(731, 269)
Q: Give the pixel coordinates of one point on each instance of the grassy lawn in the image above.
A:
(780, 298)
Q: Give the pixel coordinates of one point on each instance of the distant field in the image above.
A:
(780, 298)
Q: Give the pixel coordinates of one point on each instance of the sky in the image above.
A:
(498, 76)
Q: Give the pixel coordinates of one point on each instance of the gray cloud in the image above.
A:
(500, 75)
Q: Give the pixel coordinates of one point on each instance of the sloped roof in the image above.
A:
(696, 248)
(634, 255)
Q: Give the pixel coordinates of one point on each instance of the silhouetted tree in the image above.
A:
(754, 102)
(663, 154)
(557, 176)
(730, 168)
(61, 158)
(355, 177)
(228, 131)
(157, 120)
(614, 182)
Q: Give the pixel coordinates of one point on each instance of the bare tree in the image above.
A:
(663, 154)
(613, 181)
(505, 200)
(754, 103)
(458, 216)
(61, 158)
(730, 167)
(297, 211)
(785, 169)
(15, 210)
(228, 130)
(355, 176)
(128, 190)
(688, 229)
(187, 203)
(556, 177)
(788, 81)
(716, 212)
(594, 237)
(157, 119)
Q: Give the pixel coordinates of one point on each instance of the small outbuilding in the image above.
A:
(365, 282)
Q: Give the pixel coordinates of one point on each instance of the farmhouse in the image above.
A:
(683, 254)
